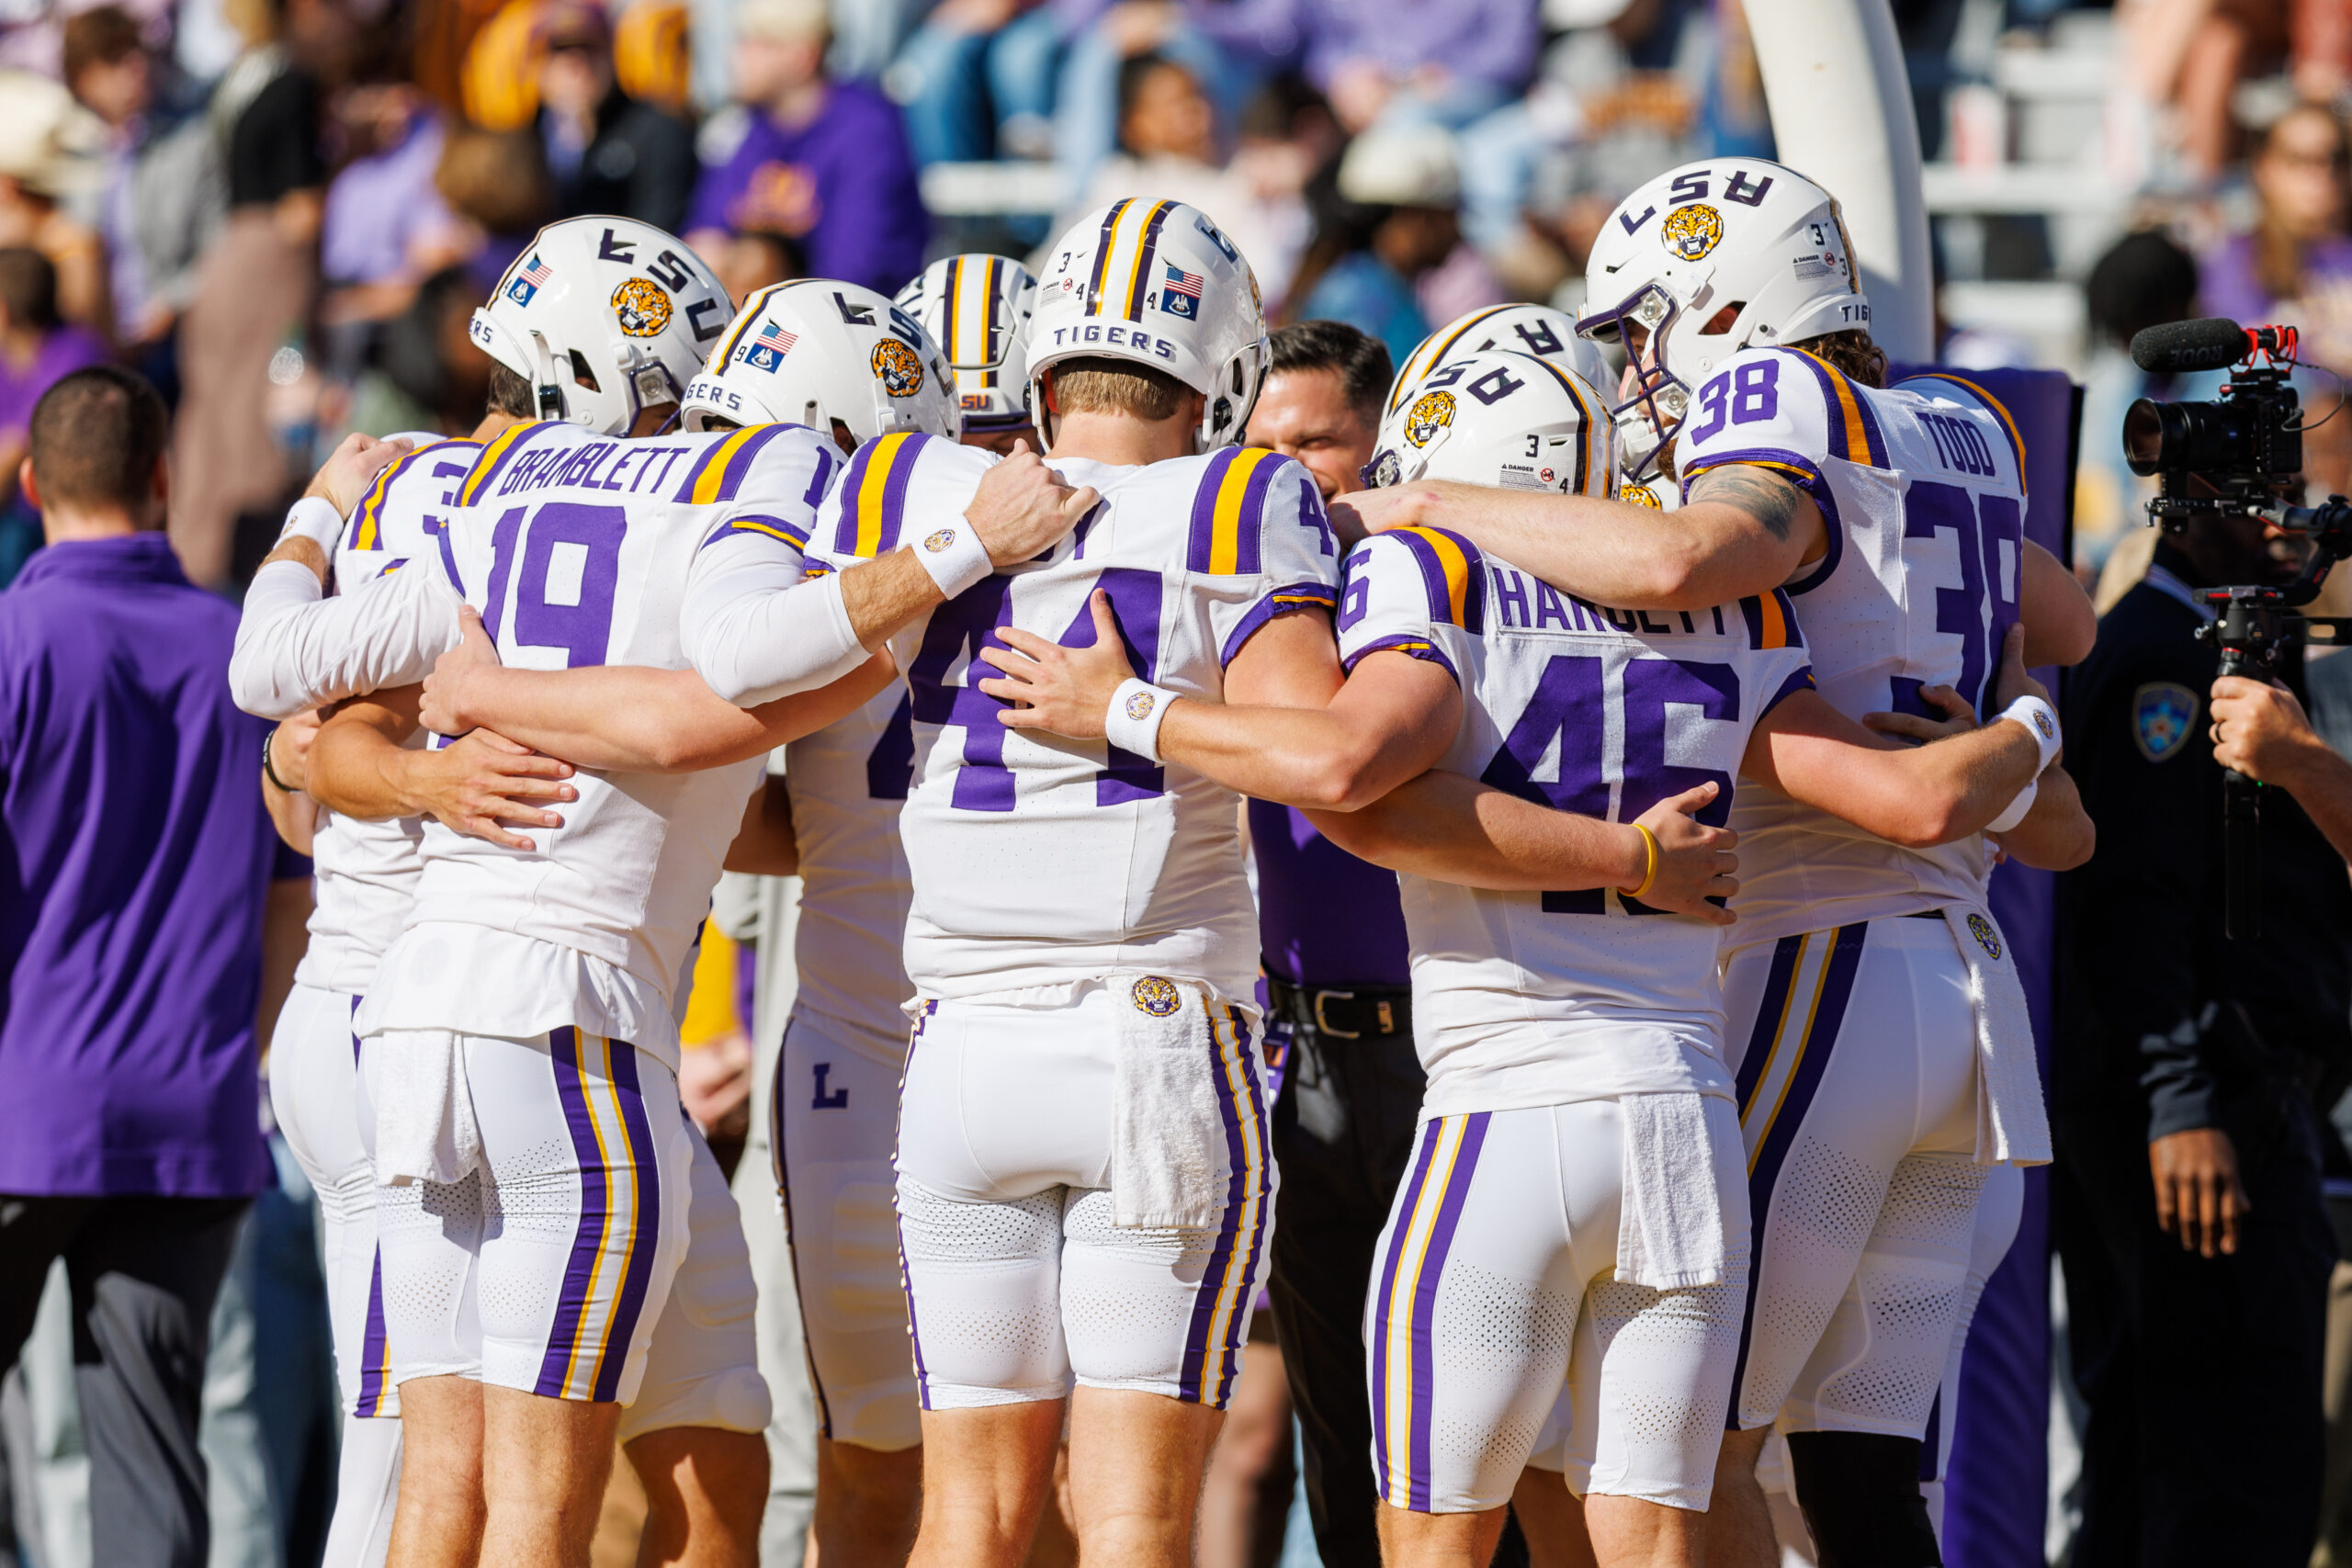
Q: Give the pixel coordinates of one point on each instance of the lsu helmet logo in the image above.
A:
(1691, 232)
(896, 366)
(641, 307)
(1156, 995)
(1640, 495)
(1431, 412)
(1986, 937)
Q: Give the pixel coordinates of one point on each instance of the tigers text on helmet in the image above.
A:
(814, 351)
(1511, 420)
(1706, 260)
(1538, 329)
(977, 308)
(1156, 283)
(604, 317)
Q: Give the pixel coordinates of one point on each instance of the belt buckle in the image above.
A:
(1323, 1026)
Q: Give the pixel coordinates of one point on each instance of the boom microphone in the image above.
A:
(2207, 344)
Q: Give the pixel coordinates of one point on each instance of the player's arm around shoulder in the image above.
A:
(296, 649)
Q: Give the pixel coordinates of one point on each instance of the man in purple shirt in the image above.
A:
(1331, 938)
(135, 862)
(825, 164)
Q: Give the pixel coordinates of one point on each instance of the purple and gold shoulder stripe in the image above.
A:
(874, 493)
(495, 455)
(1452, 572)
(719, 472)
(1854, 434)
(1229, 512)
(1771, 621)
(367, 523)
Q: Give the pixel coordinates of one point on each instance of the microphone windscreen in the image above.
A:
(2206, 344)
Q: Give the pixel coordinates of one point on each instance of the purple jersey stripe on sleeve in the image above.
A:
(1801, 681)
(894, 491)
(1200, 540)
(763, 524)
(1404, 642)
(1281, 601)
(1833, 416)
(1807, 475)
(693, 472)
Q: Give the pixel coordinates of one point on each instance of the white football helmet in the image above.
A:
(1538, 329)
(1511, 420)
(977, 308)
(815, 350)
(603, 317)
(1156, 283)
(1706, 260)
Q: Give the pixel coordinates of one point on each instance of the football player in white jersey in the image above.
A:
(977, 306)
(834, 1098)
(1082, 1177)
(693, 1435)
(1894, 519)
(1576, 1212)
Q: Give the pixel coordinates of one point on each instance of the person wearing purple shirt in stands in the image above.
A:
(135, 861)
(1331, 939)
(825, 164)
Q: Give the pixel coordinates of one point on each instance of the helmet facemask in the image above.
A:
(1647, 420)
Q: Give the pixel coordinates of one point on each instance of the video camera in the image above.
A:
(2241, 455)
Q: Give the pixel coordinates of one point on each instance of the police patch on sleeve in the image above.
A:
(2163, 714)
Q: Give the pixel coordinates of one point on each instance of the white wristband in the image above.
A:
(954, 556)
(1133, 722)
(2016, 809)
(314, 518)
(2041, 721)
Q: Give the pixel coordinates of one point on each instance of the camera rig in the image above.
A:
(2241, 455)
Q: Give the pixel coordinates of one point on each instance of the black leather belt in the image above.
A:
(1356, 1012)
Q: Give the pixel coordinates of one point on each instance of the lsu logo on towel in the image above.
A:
(1156, 996)
(1431, 412)
(896, 366)
(640, 307)
(1691, 232)
(2163, 714)
(1987, 938)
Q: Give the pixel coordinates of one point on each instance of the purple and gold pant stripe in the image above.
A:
(620, 1217)
(1404, 1374)
(1221, 1304)
(375, 1348)
(1797, 1020)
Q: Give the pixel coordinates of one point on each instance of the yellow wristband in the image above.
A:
(1649, 866)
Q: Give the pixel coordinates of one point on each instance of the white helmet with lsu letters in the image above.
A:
(1513, 420)
(1538, 329)
(1154, 282)
(818, 352)
(1705, 260)
(604, 317)
(977, 308)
